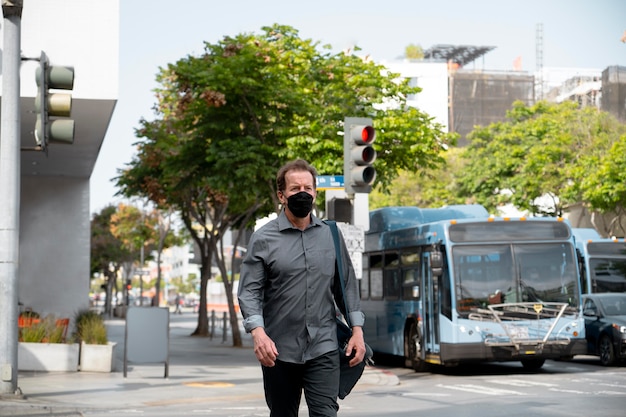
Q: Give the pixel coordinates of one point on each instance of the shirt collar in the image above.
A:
(284, 223)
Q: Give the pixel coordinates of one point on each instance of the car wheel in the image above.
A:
(607, 355)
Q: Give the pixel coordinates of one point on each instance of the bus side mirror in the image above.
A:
(436, 263)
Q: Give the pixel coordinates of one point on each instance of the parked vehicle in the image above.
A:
(452, 284)
(602, 262)
(605, 326)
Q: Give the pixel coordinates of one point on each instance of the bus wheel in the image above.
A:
(533, 364)
(413, 350)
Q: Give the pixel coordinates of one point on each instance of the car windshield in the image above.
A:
(614, 305)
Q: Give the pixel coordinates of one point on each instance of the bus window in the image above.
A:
(376, 276)
(445, 290)
(608, 275)
(410, 275)
(410, 258)
(365, 280)
(480, 272)
(376, 261)
(376, 284)
(392, 276)
(410, 284)
(546, 273)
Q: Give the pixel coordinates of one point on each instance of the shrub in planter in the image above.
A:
(96, 353)
(42, 346)
(46, 330)
(90, 328)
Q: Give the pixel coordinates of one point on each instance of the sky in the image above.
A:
(153, 33)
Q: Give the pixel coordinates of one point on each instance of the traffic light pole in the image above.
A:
(10, 137)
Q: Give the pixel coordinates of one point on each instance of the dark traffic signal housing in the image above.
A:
(358, 155)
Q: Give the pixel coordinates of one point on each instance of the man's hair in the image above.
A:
(297, 165)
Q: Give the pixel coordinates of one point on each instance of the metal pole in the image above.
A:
(10, 138)
(224, 326)
(212, 330)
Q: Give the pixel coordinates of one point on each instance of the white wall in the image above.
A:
(432, 78)
(54, 252)
(54, 245)
(79, 33)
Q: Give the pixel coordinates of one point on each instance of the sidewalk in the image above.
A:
(201, 370)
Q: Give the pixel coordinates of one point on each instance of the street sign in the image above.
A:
(354, 236)
(329, 182)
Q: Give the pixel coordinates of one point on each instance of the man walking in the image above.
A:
(287, 294)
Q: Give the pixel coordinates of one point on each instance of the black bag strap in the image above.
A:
(335, 232)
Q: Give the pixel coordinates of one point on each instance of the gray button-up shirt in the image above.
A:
(288, 286)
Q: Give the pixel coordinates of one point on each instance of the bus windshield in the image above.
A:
(608, 275)
(513, 273)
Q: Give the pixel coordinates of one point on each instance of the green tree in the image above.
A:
(108, 253)
(604, 186)
(540, 151)
(132, 228)
(413, 51)
(431, 187)
(166, 237)
(151, 230)
(228, 119)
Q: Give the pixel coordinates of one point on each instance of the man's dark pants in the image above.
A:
(319, 378)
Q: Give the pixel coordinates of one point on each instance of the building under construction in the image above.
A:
(614, 92)
(481, 97)
(478, 97)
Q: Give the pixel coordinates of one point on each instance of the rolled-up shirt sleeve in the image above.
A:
(357, 318)
(251, 285)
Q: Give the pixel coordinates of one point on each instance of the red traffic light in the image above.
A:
(363, 135)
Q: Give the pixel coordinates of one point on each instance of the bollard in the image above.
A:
(225, 321)
(212, 329)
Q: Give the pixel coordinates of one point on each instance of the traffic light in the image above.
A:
(358, 155)
(129, 286)
(55, 105)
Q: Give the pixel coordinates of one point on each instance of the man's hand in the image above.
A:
(356, 346)
(264, 347)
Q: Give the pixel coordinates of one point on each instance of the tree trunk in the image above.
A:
(157, 286)
(234, 315)
(205, 274)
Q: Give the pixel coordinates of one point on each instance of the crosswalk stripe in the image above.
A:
(480, 389)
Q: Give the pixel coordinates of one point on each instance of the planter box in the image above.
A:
(96, 358)
(47, 357)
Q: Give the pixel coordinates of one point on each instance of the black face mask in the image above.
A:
(300, 204)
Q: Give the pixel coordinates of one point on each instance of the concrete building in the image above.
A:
(54, 232)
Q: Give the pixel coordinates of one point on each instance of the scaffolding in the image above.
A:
(614, 92)
(482, 98)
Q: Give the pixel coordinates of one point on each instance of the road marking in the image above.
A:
(481, 389)
(521, 383)
(569, 391)
(211, 384)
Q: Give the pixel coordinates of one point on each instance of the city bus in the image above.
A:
(451, 285)
(602, 261)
